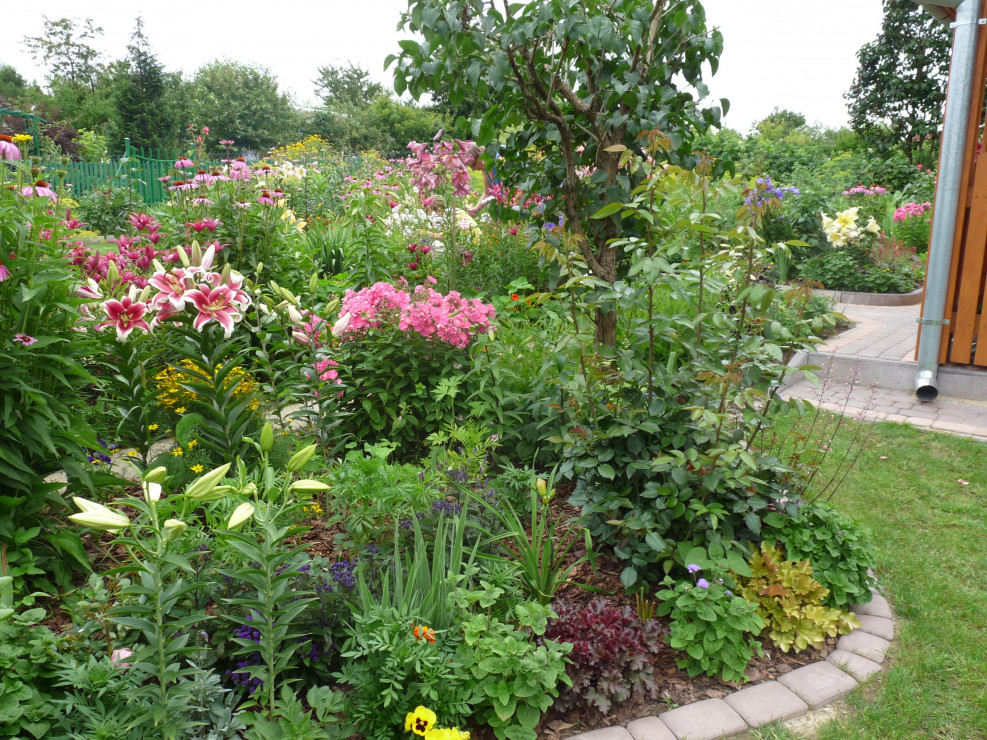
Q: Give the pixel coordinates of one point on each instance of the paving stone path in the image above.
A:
(888, 334)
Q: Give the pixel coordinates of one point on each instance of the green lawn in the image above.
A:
(931, 535)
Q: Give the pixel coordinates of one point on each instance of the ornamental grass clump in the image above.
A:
(613, 653)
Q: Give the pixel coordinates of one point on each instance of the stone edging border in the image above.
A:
(873, 299)
(857, 657)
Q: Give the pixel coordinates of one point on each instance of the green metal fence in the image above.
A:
(139, 169)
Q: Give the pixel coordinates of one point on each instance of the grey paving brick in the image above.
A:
(650, 728)
(857, 666)
(704, 720)
(880, 626)
(818, 684)
(766, 702)
(864, 644)
(877, 606)
(604, 733)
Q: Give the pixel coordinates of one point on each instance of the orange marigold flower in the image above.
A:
(424, 633)
(515, 297)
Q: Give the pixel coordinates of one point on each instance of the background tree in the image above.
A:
(12, 85)
(347, 88)
(897, 97)
(572, 79)
(140, 96)
(64, 50)
(778, 124)
(243, 103)
(358, 113)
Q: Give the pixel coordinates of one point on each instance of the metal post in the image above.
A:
(947, 212)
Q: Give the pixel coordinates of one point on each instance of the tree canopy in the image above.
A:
(897, 97)
(573, 81)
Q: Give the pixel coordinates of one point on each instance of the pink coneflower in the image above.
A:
(24, 339)
(124, 315)
(239, 164)
(40, 188)
(227, 142)
(203, 176)
(4, 272)
(184, 163)
(218, 176)
(265, 198)
(182, 185)
(166, 178)
(8, 149)
(201, 201)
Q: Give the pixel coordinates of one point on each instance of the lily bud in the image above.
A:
(307, 485)
(249, 489)
(112, 273)
(298, 460)
(267, 437)
(196, 254)
(341, 323)
(542, 485)
(158, 267)
(294, 315)
(204, 485)
(224, 276)
(96, 516)
(156, 475)
(183, 256)
(313, 282)
(259, 268)
(289, 296)
(241, 514)
(152, 491)
(173, 529)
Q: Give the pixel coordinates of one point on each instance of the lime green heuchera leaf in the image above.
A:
(791, 601)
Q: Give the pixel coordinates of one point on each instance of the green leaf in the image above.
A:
(608, 210)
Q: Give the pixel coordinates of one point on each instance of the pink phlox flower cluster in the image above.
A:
(327, 371)
(911, 209)
(869, 192)
(445, 318)
(371, 307)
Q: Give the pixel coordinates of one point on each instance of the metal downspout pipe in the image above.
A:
(947, 213)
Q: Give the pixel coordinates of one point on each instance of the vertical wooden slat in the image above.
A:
(973, 125)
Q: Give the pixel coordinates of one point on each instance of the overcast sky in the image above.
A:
(794, 54)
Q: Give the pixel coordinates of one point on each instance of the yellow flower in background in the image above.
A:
(419, 721)
(152, 427)
(18, 138)
(192, 444)
(174, 397)
(132, 453)
(872, 226)
(197, 469)
(177, 452)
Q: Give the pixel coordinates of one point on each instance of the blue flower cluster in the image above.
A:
(765, 191)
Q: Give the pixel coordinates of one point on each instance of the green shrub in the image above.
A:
(714, 627)
(840, 550)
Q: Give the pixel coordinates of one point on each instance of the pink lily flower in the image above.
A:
(24, 339)
(124, 315)
(172, 287)
(214, 304)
